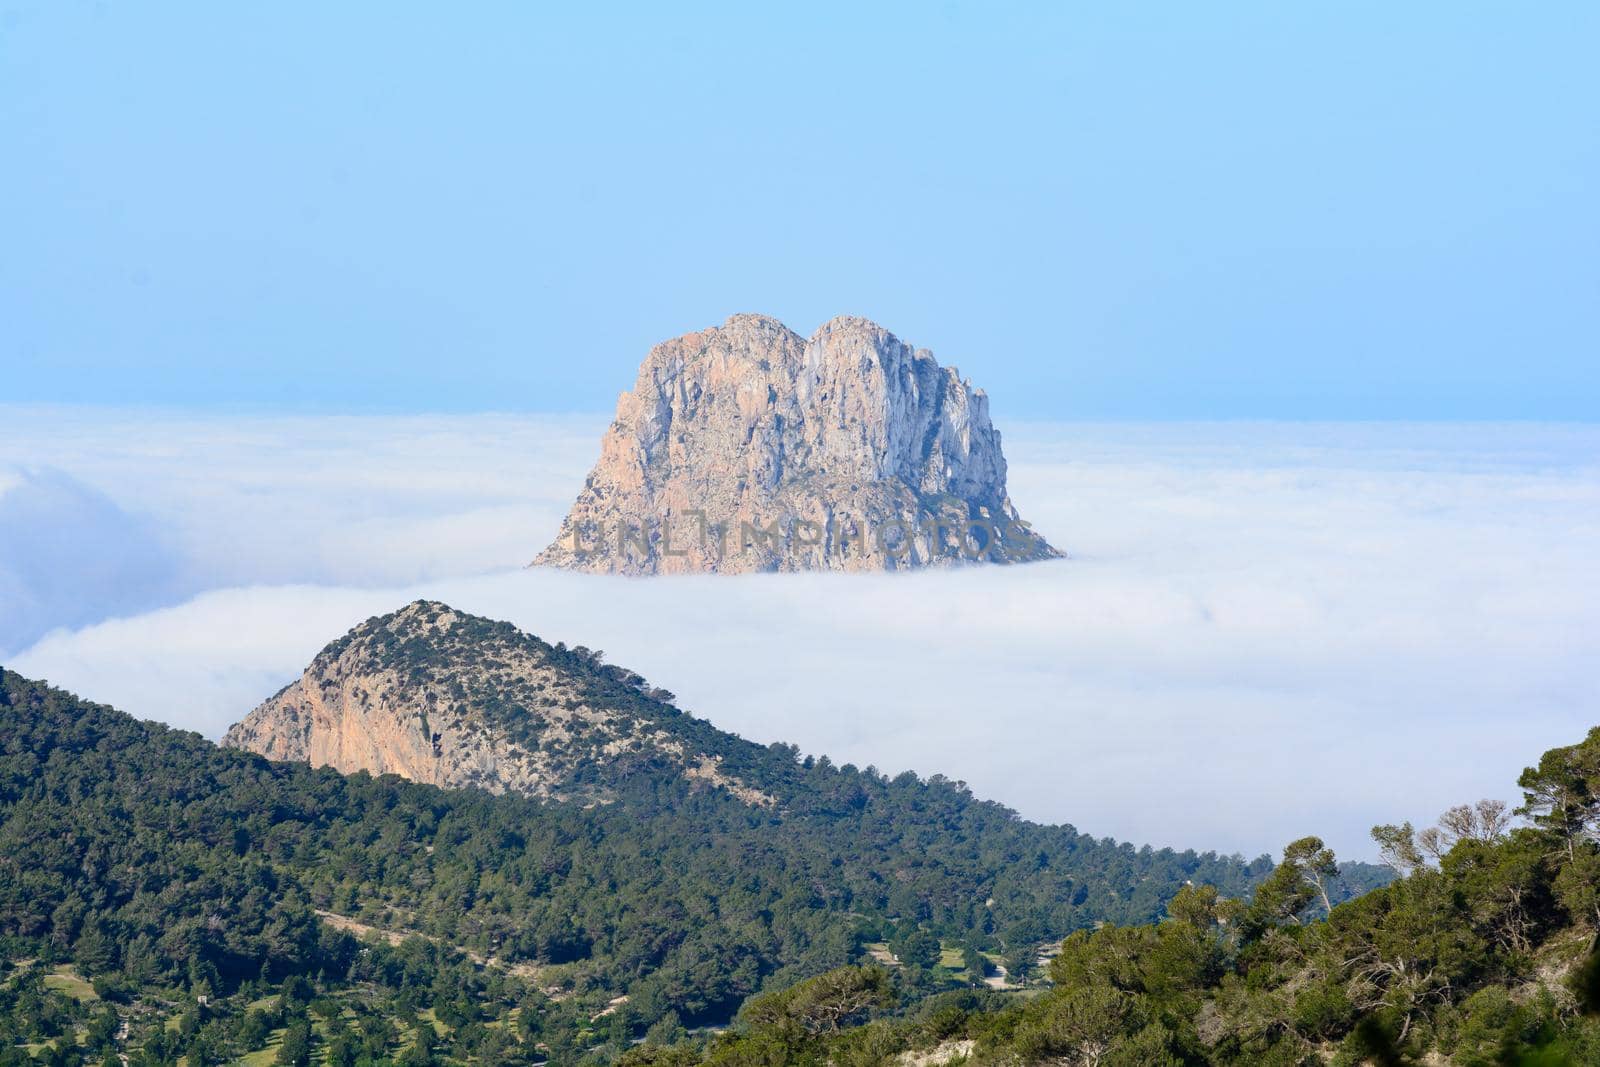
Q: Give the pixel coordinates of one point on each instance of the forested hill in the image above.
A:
(455, 699)
(1485, 953)
(153, 858)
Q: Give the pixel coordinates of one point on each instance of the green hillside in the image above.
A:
(1483, 954)
(153, 868)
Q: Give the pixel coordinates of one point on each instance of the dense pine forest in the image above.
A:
(168, 901)
(162, 898)
(1483, 953)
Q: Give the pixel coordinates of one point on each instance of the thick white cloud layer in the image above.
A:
(70, 556)
(1264, 631)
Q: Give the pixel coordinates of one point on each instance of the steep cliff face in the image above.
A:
(455, 700)
(749, 448)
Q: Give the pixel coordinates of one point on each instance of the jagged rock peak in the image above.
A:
(455, 700)
(745, 447)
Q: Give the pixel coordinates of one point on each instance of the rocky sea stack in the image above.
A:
(749, 448)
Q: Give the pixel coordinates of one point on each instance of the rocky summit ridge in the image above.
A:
(453, 700)
(746, 447)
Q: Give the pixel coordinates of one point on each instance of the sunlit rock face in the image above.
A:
(453, 700)
(749, 448)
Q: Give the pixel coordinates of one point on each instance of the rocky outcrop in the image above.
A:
(454, 700)
(748, 448)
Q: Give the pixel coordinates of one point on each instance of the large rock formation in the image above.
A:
(455, 700)
(749, 448)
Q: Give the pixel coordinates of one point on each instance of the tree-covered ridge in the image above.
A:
(1484, 952)
(453, 699)
(968, 863)
(159, 864)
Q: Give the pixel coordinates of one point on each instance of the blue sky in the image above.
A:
(1200, 211)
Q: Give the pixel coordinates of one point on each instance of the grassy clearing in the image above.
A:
(68, 981)
(264, 1057)
(879, 951)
